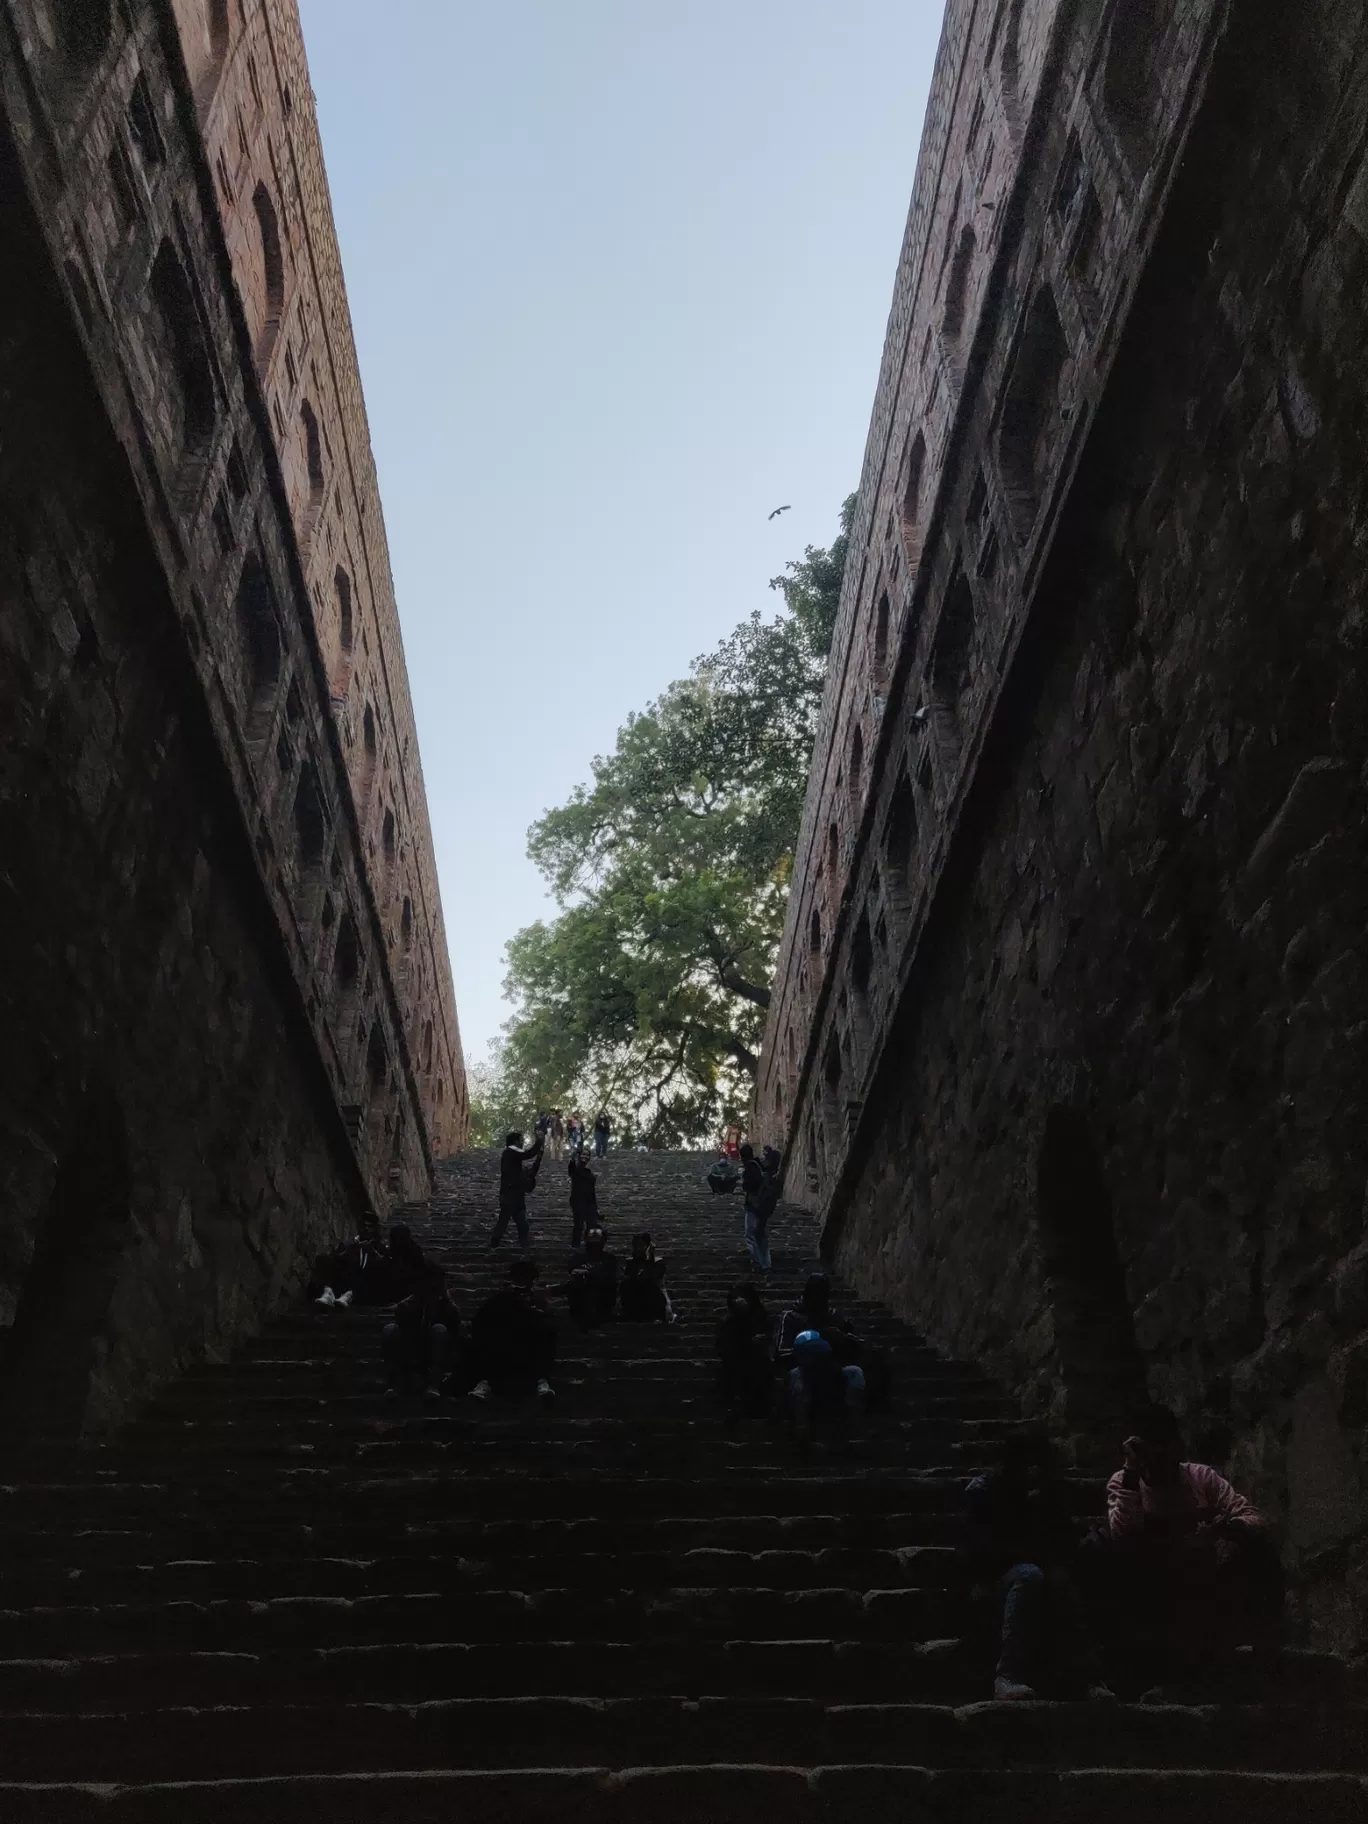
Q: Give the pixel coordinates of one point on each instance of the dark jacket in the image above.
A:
(512, 1191)
(583, 1190)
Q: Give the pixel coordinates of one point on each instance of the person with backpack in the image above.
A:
(762, 1195)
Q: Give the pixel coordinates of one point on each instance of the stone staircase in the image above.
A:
(277, 1594)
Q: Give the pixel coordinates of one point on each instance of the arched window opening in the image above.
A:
(406, 923)
(1100, 1364)
(49, 1353)
(861, 956)
(387, 837)
(342, 669)
(84, 28)
(957, 286)
(950, 670)
(833, 853)
(1030, 418)
(347, 955)
(182, 343)
(313, 459)
(881, 640)
(377, 1058)
(900, 841)
(912, 502)
(311, 829)
(260, 630)
(369, 744)
(815, 933)
(218, 28)
(273, 267)
(1133, 99)
(1010, 66)
(857, 767)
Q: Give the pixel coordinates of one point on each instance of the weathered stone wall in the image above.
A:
(210, 1068)
(1083, 1087)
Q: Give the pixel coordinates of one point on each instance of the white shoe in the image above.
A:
(1101, 1693)
(344, 1301)
(546, 1393)
(1007, 1690)
(481, 1390)
(326, 1297)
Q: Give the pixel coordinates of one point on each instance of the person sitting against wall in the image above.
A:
(513, 1339)
(592, 1287)
(1018, 1549)
(422, 1337)
(643, 1298)
(1197, 1568)
(818, 1356)
(743, 1337)
(584, 1210)
(358, 1273)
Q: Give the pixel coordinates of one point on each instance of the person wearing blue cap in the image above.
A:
(817, 1355)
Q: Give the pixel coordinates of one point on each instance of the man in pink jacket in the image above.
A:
(1197, 1555)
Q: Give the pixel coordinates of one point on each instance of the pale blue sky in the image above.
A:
(619, 271)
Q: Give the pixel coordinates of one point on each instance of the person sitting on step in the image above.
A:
(818, 1356)
(1018, 1548)
(743, 1348)
(1196, 1568)
(643, 1299)
(422, 1336)
(723, 1176)
(584, 1211)
(355, 1274)
(513, 1338)
(592, 1288)
(407, 1262)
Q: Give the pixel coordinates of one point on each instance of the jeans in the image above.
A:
(1023, 1614)
(407, 1352)
(600, 1146)
(757, 1242)
(506, 1214)
(808, 1389)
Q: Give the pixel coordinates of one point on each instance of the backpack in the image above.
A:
(766, 1199)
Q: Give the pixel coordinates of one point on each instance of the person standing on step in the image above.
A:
(761, 1195)
(513, 1186)
(556, 1128)
(601, 1126)
(1018, 1546)
(513, 1339)
(423, 1335)
(584, 1210)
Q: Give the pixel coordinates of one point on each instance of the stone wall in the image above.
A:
(1082, 1084)
(209, 1070)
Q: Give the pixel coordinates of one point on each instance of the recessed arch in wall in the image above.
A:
(1030, 419)
(182, 344)
(1132, 97)
(273, 268)
(913, 467)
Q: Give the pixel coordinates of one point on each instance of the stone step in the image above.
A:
(242, 1741)
(54, 1581)
(575, 1612)
(729, 1793)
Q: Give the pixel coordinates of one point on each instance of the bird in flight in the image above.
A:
(777, 511)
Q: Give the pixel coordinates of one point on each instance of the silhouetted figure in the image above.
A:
(1019, 1548)
(601, 1131)
(513, 1338)
(1197, 1569)
(743, 1338)
(592, 1287)
(643, 1298)
(584, 1210)
(818, 1355)
(358, 1273)
(421, 1339)
(513, 1187)
(407, 1262)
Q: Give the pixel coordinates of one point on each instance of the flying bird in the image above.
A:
(777, 511)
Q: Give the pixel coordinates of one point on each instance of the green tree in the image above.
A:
(647, 994)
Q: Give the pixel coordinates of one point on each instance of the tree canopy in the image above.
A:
(647, 994)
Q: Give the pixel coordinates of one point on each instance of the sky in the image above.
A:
(619, 272)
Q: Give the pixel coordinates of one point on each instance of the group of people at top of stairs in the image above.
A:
(558, 1131)
(1180, 1572)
